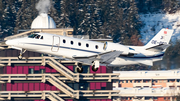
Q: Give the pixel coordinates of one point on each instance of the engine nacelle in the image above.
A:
(108, 46)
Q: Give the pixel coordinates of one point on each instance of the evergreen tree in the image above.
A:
(170, 6)
(91, 22)
(55, 11)
(26, 14)
(64, 17)
(8, 17)
(103, 6)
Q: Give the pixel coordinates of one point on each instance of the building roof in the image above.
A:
(166, 74)
(147, 91)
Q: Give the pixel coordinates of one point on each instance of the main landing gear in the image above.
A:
(21, 53)
(95, 65)
(79, 68)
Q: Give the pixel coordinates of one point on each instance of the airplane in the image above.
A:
(94, 53)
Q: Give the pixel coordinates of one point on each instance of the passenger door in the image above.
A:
(55, 44)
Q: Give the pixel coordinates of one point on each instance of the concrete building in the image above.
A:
(36, 78)
(148, 85)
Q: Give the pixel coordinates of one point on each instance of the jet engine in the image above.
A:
(108, 46)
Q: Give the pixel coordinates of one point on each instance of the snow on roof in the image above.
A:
(144, 91)
(145, 74)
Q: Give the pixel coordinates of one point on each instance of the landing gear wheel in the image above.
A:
(80, 65)
(79, 69)
(20, 57)
(94, 69)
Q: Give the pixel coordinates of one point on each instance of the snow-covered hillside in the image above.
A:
(153, 23)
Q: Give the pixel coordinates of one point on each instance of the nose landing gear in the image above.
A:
(21, 53)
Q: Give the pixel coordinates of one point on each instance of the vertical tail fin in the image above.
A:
(162, 37)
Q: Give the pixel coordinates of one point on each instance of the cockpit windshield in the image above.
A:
(32, 35)
(36, 36)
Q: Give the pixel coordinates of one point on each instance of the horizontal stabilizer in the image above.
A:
(158, 48)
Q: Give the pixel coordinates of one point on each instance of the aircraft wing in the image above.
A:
(158, 48)
(105, 58)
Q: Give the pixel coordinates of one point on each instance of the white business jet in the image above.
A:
(94, 53)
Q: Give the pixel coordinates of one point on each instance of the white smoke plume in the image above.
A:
(43, 6)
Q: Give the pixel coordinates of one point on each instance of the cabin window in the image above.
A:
(79, 44)
(96, 46)
(64, 41)
(87, 45)
(41, 37)
(72, 42)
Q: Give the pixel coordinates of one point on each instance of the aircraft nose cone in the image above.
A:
(11, 42)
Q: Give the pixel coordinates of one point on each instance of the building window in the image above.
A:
(76, 86)
(154, 81)
(103, 88)
(64, 41)
(126, 81)
(70, 85)
(96, 46)
(147, 98)
(172, 87)
(70, 32)
(79, 44)
(31, 71)
(130, 81)
(122, 81)
(137, 81)
(155, 98)
(145, 81)
(171, 80)
(119, 85)
(123, 98)
(36, 72)
(72, 42)
(87, 45)
(42, 71)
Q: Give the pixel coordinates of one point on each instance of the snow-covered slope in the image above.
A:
(153, 23)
